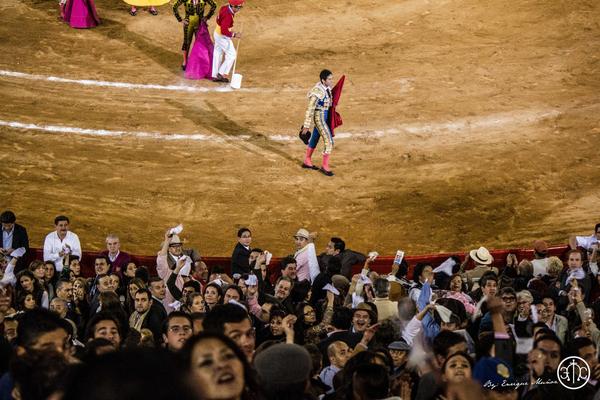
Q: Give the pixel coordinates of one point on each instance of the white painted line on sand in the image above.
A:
(121, 85)
(476, 123)
(111, 133)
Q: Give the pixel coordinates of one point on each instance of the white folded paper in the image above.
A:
(251, 281)
(176, 230)
(18, 252)
(365, 280)
(268, 257)
(232, 301)
(446, 267)
(329, 287)
(444, 312)
(187, 267)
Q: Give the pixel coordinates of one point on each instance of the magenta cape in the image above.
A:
(80, 14)
(199, 64)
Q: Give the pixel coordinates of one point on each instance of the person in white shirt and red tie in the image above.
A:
(224, 53)
(60, 243)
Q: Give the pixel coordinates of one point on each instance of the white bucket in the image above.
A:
(236, 81)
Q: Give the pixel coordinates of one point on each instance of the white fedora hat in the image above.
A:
(481, 256)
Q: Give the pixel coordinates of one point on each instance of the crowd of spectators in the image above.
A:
(308, 329)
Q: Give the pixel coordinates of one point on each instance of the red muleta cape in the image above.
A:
(335, 119)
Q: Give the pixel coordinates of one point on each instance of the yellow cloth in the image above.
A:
(146, 3)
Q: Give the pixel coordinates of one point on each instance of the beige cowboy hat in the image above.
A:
(174, 240)
(481, 256)
(302, 233)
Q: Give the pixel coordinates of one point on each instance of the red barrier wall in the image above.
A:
(383, 264)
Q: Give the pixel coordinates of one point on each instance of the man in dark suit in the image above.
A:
(146, 317)
(349, 258)
(241, 252)
(14, 236)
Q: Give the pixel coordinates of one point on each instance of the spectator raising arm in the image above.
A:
(288, 327)
(9, 273)
(502, 341)
(165, 245)
(172, 281)
(586, 320)
(414, 325)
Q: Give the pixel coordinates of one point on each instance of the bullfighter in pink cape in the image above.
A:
(200, 60)
(195, 25)
(79, 14)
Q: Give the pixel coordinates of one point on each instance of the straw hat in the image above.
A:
(481, 256)
(175, 240)
(302, 233)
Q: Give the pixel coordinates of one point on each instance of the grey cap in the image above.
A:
(399, 345)
(283, 364)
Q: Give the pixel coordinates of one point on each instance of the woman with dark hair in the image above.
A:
(219, 367)
(194, 303)
(422, 272)
(457, 369)
(82, 307)
(128, 273)
(110, 303)
(308, 329)
(241, 282)
(456, 292)
(213, 295)
(50, 278)
(39, 270)
(28, 284)
(273, 331)
(26, 301)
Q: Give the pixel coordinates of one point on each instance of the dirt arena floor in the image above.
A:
(465, 123)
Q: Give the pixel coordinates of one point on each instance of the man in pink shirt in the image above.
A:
(307, 265)
(172, 247)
